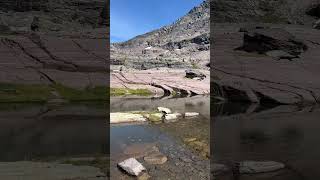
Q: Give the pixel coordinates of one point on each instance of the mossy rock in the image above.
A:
(155, 117)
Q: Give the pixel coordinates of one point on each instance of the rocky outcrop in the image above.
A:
(162, 82)
(264, 40)
(41, 59)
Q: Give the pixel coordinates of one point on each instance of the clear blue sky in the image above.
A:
(129, 18)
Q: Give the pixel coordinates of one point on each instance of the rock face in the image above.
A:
(258, 78)
(54, 15)
(42, 59)
(53, 42)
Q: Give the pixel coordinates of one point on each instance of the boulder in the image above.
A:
(132, 166)
(155, 117)
(191, 114)
(262, 40)
(252, 167)
(191, 74)
(164, 110)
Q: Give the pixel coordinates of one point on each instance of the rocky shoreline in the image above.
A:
(162, 82)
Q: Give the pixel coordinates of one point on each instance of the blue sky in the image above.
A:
(129, 18)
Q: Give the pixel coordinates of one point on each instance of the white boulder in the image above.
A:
(132, 166)
(170, 117)
(165, 110)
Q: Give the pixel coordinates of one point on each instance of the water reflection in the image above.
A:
(39, 131)
(287, 134)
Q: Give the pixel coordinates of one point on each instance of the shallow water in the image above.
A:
(145, 132)
(286, 134)
(168, 137)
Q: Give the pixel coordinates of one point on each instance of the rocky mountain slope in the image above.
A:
(47, 44)
(184, 43)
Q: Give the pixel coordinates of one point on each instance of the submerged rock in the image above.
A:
(189, 139)
(126, 118)
(140, 150)
(156, 158)
(155, 117)
(252, 167)
(219, 168)
(132, 166)
(144, 176)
